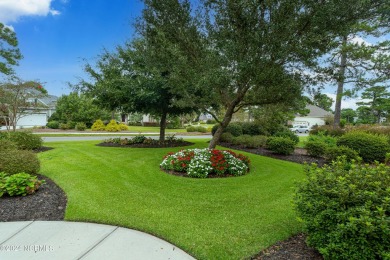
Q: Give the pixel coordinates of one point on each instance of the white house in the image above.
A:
(316, 116)
(39, 115)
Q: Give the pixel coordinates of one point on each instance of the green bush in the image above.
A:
(214, 129)
(226, 137)
(25, 140)
(288, 134)
(234, 128)
(241, 140)
(327, 130)
(6, 144)
(316, 148)
(257, 141)
(112, 126)
(211, 121)
(138, 139)
(98, 125)
(196, 129)
(53, 124)
(252, 128)
(64, 126)
(16, 161)
(81, 126)
(370, 147)
(332, 153)
(20, 184)
(281, 145)
(345, 210)
(328, 140)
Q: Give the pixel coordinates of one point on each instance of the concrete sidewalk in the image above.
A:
(75, 240)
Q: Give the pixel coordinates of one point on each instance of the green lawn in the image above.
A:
(302, 141)
(229, 218)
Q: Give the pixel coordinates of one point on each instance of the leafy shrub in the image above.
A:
(288, 134)
(370, 147)
(16, 161)
(199, 163)
(226, 137)
(345, 210)
(138, 139)
(81, 126)
(214, 129)
(64, 126)
(20, 184)
(257, 141)
(252, 128)
(197, 129)
(316, 148)
(211, 121)
(150, 124)
(123, 127)
(71, 124)
(234, 128)
(332, 153)
(6, 144)
(112, 126)
(53, 124)
(98, 125)
(327, 130)
(281, 145)
(25, 140)
(241, 140)
(328, 140)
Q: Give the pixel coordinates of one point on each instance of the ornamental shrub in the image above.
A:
(242, 140)
(64, 126)
(53, 124)
(345, 209)
(288, 134)
(328, 130)
(234, 128)
(98, 125)
(6, 144)
(252, 128)
(20, 184)
(370, 147)
(81, 126)
(281, 145)
(226, 137)
(196, 129)
(316, 148)
(138, 139)
(332, 153)
(25, 140)
(16, 161)
(123, 127)
(112, 126)
(257, 141)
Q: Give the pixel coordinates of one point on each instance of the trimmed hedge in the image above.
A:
(16, 161)
(370, 147)
(288, 134)
(25, 140)
(281, 145)
(345, 210)
(332, 153)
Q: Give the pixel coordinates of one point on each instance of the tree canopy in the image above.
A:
(9, 51)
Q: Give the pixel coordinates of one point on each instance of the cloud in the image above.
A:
(11, 10)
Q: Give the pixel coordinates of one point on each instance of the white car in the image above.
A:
(300, 129)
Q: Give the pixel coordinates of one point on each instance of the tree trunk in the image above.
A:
(163, 125)
(340, 86)
(225, 122)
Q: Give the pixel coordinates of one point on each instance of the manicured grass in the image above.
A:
(226, 218)
(302, 141)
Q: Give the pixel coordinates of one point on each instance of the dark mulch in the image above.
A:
(47, 203)
(294, 248)
(299, 155)
(146, 145)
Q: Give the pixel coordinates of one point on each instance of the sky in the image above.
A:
(57, 36)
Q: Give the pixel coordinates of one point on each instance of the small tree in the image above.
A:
(379, 104)
(19, 99)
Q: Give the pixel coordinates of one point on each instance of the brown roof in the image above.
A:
(317, 111)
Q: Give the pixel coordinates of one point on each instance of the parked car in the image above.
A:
(300, 129)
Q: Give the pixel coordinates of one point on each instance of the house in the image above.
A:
(316, 116)
(43, 108)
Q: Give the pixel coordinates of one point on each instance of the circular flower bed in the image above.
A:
(203, 163)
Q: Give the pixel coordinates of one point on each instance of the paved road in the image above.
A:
(93, 138)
